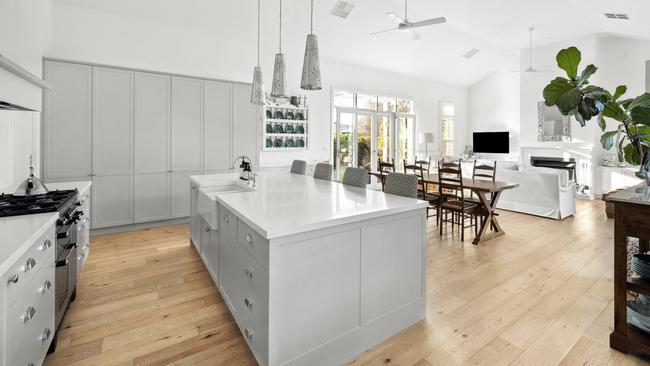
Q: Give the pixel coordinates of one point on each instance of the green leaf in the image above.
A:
(642, 101)
(607, 139)
(641, 115)
(620, 90)
(614, 111)
(555, 89)
(630, 155)
(587, 108)
(568, 60)
(601, 122)
(625, 103)
(586, 74)
(579, 117)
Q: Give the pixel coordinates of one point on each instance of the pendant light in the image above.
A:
(279, 70)
(311, 64)
(257, 94)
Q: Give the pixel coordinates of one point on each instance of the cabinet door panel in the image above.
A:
(245, 132)
(67, 116)
(151, 197)
(112, 121)
(152, 118)
(180, 197)
(217, 132)
(112, 200)
(187, 121)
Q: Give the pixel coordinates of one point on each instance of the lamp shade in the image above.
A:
(425, 138)
(279, 77)
(311, 65)
(257, 93)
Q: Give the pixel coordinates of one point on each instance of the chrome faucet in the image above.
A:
(245, 166)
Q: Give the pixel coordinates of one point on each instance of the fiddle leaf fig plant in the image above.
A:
(574, 96)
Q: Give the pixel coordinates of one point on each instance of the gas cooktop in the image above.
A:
(11, 205)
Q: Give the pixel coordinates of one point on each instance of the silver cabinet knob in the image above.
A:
(13, 279)
(248, 302)
(29, 314)
(46, 245)
(80, 258)
(46, 335)
(47, 285)
(249, 238)
(249, 272)
(30, 264)
(226, 218)
(207, 230)
(248, 333)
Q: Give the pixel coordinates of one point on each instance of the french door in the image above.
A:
(361, 137)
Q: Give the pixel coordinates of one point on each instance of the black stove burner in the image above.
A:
(52, 201)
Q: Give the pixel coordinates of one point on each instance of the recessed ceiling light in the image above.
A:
(342, 9)
(617, 16)
(471, 53)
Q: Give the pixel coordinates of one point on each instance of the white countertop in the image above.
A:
(81, 186)
(18, 233)
(639, 195)
(286, 204)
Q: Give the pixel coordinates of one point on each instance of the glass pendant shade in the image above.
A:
(278, 89)
(311, 65)
(257, 94)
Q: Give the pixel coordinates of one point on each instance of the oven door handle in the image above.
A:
(63, 235)
(66, 261)
(62, 263)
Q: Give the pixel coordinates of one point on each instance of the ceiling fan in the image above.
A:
(406, 26)
(531, 69)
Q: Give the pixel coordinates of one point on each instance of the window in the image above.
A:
(447, 112)
(367, 128)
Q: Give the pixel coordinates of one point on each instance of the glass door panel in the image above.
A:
(404, 139)
(384, 138)
(364, 141)
(344, 151)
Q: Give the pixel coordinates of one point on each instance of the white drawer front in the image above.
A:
(253, 242)
(26, 268)
(31, 319)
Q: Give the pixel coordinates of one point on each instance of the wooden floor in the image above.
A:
(541, 295)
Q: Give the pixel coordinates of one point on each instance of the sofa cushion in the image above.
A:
(563, 174)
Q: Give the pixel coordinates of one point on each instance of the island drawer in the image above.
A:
(31, 319)
(254, 243)
(26, 268)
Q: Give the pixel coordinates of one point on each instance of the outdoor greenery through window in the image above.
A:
(371, 127)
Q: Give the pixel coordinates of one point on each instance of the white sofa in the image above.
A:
(542, 191)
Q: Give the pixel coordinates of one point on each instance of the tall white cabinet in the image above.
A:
(140, 135)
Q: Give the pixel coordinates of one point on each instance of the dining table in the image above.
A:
(488, 192)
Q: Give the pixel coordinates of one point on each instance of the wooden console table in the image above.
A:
(632, 219)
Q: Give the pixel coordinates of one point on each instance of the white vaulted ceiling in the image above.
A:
(498, 28)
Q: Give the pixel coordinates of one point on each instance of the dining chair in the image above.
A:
(357, 177)
(423, 189)
(425, 164)
(299, 167)
(323, 171)
(483, 170)
(384, 168)
(405, 185)
(452, 198)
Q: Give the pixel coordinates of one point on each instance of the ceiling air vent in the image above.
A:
(342, 9)
(471, 53)
(617, 16)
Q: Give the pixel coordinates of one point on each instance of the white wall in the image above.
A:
(99, 37)
(494, 106)
(19, 138)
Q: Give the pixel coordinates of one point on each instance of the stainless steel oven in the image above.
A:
(66, 261)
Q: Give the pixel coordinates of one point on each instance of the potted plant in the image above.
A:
(574, 96)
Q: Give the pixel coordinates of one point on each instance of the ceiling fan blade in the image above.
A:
(374, 35)
(432, 21)
(395, 17)
(414, 35)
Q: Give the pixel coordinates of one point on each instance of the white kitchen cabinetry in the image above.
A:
(112, 147)
(186, 147)
(67, 131)
(27, 296)
(152, 131)
(217, 130)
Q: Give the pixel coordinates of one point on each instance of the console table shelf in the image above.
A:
(632, 219)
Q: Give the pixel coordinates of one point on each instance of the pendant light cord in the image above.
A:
(259, 10)
(311, 28)
(280, 26)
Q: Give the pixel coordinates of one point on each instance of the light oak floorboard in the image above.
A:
(540, 295)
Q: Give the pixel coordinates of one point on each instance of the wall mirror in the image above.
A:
(552, 125)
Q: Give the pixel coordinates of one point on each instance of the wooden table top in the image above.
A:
(478, 185)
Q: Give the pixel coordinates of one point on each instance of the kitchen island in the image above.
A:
(314, 272)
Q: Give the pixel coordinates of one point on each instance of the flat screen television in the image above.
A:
(491, 142)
